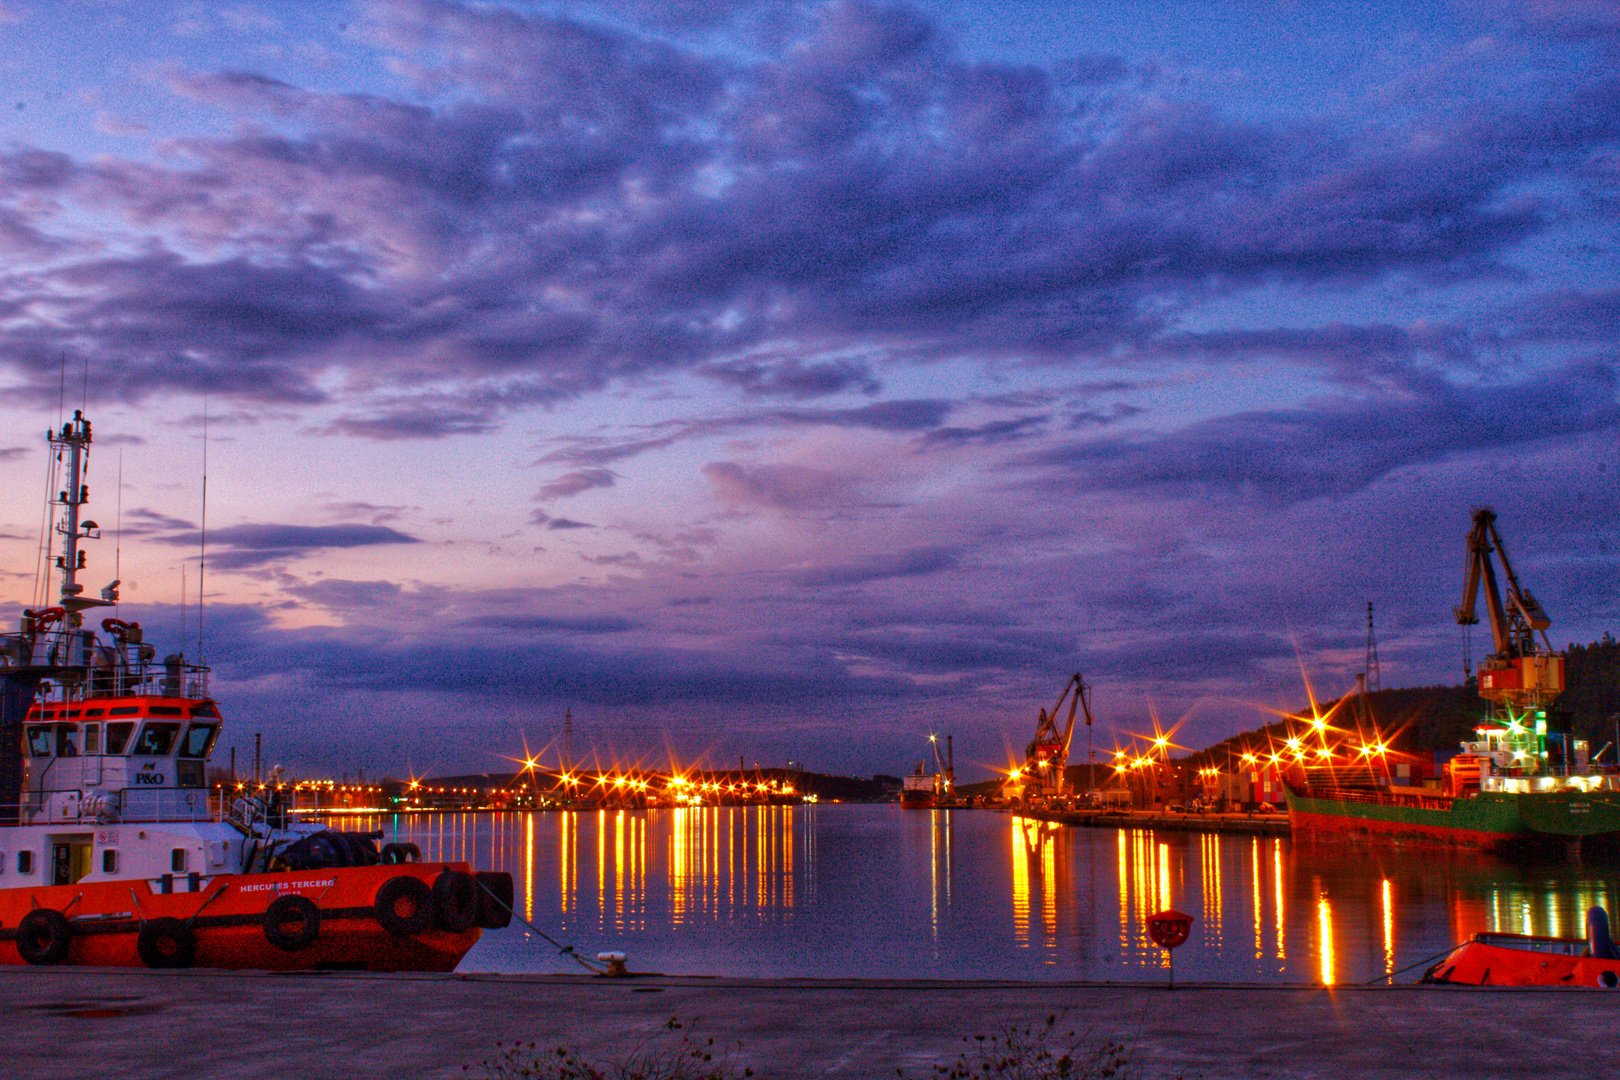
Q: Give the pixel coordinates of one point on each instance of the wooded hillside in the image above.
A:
(1440, 717)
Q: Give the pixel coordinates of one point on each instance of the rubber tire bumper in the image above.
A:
(166, 943)
(394, 854)
(494, 899)
(404, 905)
(455, 901)
(42, 936)
(292, 923)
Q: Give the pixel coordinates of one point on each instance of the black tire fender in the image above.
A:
(494, 899)
(394, 854)
(455, 901)
(404, 905)
(166, 943)
(43, 935)
(292, 923)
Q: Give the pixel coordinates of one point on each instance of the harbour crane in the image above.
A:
(1520, 674)
(1048, 753)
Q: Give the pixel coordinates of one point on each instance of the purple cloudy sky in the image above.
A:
(790, 380)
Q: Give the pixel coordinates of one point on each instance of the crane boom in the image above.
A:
(1047, 754)
(1517, 673)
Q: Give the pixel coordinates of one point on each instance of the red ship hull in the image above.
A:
(129, 924)
(1308, 826)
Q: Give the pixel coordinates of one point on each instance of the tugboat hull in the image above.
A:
(406, 917)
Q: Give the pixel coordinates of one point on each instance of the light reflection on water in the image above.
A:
(875, 891)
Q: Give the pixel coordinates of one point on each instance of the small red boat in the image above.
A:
(1521, 960)
(113, 853)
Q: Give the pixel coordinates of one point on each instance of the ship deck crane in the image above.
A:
(1519, 674)
(1047, 754)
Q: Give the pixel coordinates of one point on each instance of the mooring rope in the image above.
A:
(1427, 960)
(562, 950)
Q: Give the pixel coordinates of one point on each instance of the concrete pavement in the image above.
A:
(78, 1023)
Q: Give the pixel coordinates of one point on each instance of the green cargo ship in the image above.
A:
(1506, 813)
(1505, 789)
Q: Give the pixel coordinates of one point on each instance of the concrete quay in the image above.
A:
(1248, 824)
(74, 1023)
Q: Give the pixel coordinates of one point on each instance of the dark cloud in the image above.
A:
(1337, 446)
(1578, 20)
(142, 521)
(1359, 356)
(795, 378)
(564, 523)
(378, 514)
(900, 416)
(995, 431)
(593, 451)
(343, 595)
(30, 169)
(916, 562)
(563, 205)
(1096, 69)
(897, 416)
(575, 482)
(1085, 418)
(238, 547)
(1569, 314)
(583, 624)
(415, 423)
(777, 487)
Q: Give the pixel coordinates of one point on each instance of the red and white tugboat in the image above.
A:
(112, 852)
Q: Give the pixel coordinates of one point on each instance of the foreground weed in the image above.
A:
(1039, 1052)
(672, 1053)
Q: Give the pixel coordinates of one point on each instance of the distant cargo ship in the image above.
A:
(927, 790)
(920, 790)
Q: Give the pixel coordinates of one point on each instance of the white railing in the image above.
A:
(1524, 785)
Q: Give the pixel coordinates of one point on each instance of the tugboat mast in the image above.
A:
(74, 439)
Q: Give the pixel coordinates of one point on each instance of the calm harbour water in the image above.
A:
(879, 892)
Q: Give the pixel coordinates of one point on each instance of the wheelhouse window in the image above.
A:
(199, 737)
(67, 740)
(117, 736)
(156, 738)
(92, 738)
(39, 740)
(25, 862)
(204, 708)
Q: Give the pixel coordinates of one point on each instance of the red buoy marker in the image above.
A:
(1169, 929)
